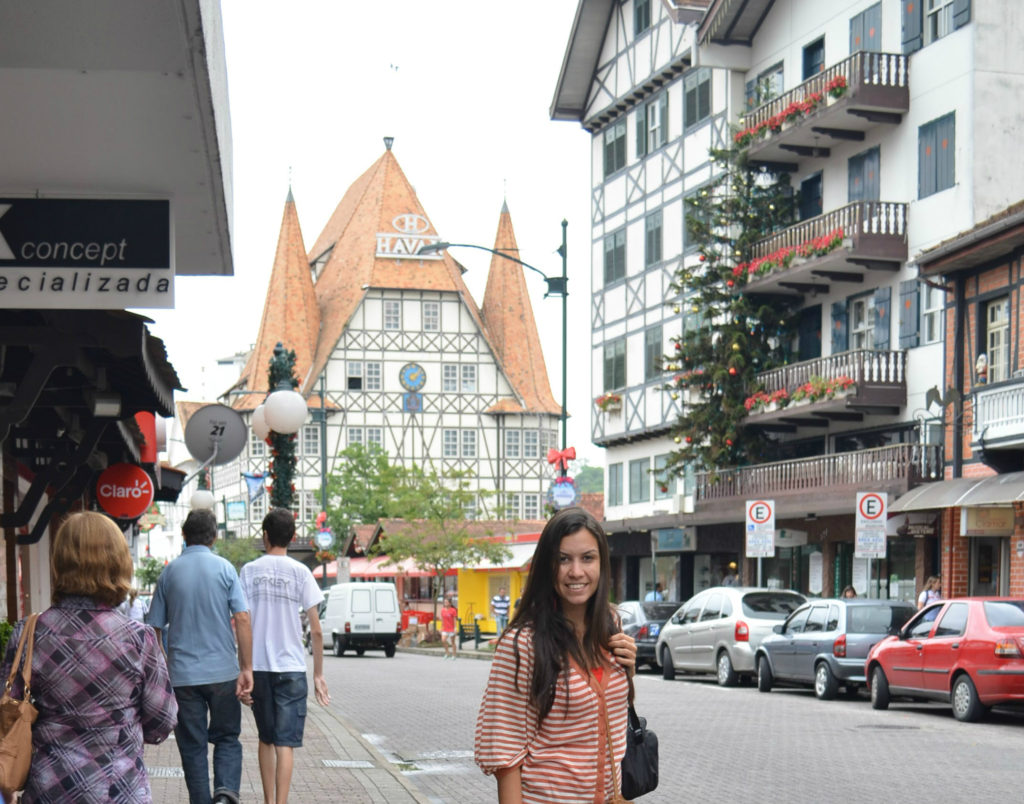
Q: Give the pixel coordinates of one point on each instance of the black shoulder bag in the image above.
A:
(640, 764)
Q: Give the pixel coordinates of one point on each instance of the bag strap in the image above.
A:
(28, 635)
(616, 784)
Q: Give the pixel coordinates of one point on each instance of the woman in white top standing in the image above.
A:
(930, 593)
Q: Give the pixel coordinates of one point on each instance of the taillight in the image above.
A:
(642, 633)
(398, 627)
(348, 628)
(742, 631)
(1007, 649)
(839, 646)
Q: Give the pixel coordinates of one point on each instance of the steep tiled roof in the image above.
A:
(593, 504)
(378, 198)
(508, 316)
(186, 410)
(290, 312)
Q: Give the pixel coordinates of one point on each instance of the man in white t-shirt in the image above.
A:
(277, 587)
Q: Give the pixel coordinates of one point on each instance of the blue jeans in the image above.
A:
(502, 621)
(195, 730)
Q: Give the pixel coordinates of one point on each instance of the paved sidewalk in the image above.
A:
(334, 764)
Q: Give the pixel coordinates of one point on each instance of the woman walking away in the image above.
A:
(931, 592)
(98, 678)
(552, 724)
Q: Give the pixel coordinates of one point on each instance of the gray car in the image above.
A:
(718, 630)
(824, 644)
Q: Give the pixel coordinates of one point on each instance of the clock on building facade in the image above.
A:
(412, 376)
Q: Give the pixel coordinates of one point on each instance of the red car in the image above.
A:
(968, 651)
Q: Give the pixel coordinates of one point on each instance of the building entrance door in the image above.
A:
(989, 568)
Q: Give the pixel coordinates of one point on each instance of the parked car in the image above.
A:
(643, 621)
(824, 644)
(967, 651)
(361, 616)
(719, 629)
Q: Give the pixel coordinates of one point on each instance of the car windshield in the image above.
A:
(1004, 613)
(771, 605)
(659, 612)
(876, 619)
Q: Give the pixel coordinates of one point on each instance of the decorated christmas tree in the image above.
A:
(728, 337)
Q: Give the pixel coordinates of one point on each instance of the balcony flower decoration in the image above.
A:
(818, 388)
(837, 86)
(783, 257)
(773, 125)
(609, 402)
(763, 399)
(324, 556)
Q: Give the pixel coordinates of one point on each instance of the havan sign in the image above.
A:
(409, 237)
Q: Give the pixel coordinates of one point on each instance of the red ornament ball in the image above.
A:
(688, 439)
(702, 258)
(732, 371)
(728, 442)
(729, 283)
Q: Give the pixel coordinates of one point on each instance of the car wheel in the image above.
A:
(668, 669)
(879, 689)
(360, 651)
(825, 684)
(389, 649)
(764, 674)
(726, 673)
(339, 648)
(966, 706)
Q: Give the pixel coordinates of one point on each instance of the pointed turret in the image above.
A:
(290, 312)
(508, 316)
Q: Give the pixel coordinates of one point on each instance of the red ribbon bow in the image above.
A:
(561, 458)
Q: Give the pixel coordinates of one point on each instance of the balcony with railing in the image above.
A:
(839, 247)
(824, 484)
(839, 104)
(841, 387)
(997, 431)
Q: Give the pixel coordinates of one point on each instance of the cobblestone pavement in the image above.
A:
(717, 744)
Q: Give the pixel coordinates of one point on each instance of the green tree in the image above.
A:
(149, 572)
(727, 336)
(364, 487)
(238, 551)
(439, 538)
(590, 479)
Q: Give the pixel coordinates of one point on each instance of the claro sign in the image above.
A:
(125, 491)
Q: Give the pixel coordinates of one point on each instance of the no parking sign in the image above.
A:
(869, 537)
(760, 528)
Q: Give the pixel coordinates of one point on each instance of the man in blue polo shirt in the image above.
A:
(196, 597)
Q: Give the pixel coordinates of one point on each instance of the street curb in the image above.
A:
(438, 652)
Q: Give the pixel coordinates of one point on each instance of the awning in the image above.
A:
(522, 554)
(970, 491)
(376, 567)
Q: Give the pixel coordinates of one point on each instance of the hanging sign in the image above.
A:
(125, 491)
(760, 528)
(869, 536)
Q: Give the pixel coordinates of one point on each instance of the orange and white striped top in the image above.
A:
(566, 759)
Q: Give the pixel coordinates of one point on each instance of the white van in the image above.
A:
(360, 616)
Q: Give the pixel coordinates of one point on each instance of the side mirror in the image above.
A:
(779, 629)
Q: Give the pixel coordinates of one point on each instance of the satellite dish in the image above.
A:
(215, 427)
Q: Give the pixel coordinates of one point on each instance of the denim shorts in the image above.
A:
(279, 706)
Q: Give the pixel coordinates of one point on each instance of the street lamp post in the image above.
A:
(557, 286)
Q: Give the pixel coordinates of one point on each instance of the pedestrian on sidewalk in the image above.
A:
(98, 679)
(500, 604)
(449, 614)
(196, 598)
(277, 587)
(552, 724)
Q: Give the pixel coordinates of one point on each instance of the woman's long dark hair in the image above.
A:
(554, 640)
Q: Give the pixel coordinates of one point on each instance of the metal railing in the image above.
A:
(880, 218)
(1000, 408)
(874, 366)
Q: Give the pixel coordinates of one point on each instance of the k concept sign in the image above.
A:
(93, 254)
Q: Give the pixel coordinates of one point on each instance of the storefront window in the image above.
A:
(666, 573)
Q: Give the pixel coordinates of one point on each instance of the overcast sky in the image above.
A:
(464, 87)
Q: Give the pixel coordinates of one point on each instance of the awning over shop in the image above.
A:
(522, 555)
(376, 567)
(963, 491)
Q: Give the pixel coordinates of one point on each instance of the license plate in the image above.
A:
(362, 628)
(654, 629)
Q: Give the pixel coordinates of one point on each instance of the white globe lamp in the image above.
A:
(259, 423)
(285, 411)
(202, 500)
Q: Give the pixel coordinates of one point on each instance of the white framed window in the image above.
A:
(512, 444)
(373, 376)
(931, 314)
(296, 509)
(312, 503)
(664, 482)
(640, 480)
(938, 19)
(531, 444)
(468, 379)
(471, 508)
(355, 436)
(862, 322)
(613, 486)
(311, 439)
(431, 316)
(258, 508)
(450, 378)
(997, 340)
(531, 506)
(375, 435)
(450, 443)
(392, 314)
(512, 506)
(354, 375)
(257, 446)
(469, 443)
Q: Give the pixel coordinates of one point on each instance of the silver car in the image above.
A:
(719, 630)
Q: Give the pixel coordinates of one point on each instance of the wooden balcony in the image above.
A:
(880, 386)
(869, 236)
(826, 484)
(997, 432)
(877, 93)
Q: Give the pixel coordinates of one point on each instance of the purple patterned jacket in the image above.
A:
(100, 684)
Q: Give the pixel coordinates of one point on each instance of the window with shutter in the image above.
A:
(840, 330)
(909, 294)
(866, 30)
(936, 151)
(883, 318)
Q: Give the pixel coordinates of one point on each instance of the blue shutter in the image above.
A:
(926, 157)
(910, 314)
(961, 13)
(912, 39)
(883, 317)
(840, 329)
(945, 152)
(663, 103)
(641, 131)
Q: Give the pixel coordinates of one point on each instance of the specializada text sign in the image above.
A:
(59, 253)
